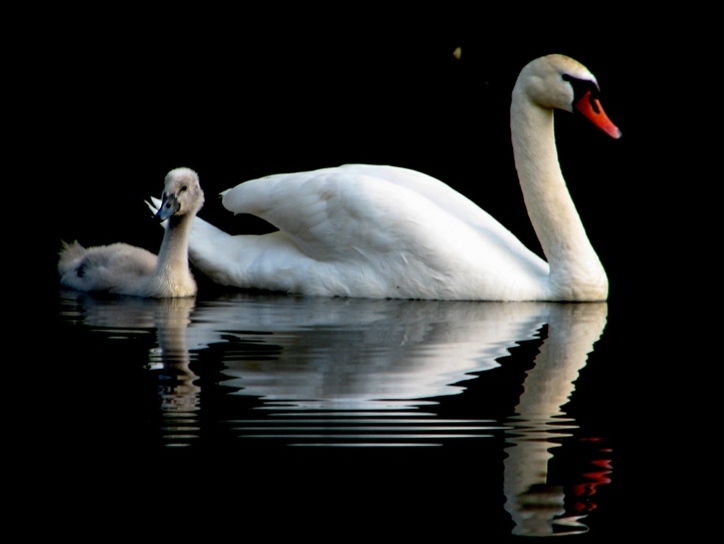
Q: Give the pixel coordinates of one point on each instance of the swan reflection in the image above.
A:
(356, 354)
(355, 372)
(169, 360)
(171, 319)
(539, 425)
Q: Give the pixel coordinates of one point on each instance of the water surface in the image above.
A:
(486, 387)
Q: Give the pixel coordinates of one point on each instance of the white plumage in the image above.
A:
(388, 232)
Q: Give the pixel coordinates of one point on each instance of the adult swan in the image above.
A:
(387, 232)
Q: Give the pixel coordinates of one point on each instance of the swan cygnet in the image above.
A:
(123, 269)
(372, 231)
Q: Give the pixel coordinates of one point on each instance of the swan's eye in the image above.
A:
(183, 189)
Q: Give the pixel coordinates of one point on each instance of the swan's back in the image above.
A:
(353, 204)
(377, 231)
(265, 197)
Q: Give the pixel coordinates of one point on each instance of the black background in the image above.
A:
(110, 101)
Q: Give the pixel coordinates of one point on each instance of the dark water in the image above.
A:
(407, 414)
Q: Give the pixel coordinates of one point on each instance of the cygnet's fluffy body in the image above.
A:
(123, 269)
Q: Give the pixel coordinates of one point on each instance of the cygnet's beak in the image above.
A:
(169, 206)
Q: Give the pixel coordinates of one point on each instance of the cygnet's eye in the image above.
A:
(183, 188)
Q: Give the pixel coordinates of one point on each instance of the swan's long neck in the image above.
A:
(576, 272)
(172, 268)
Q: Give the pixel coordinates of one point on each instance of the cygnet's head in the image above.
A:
(182, 194)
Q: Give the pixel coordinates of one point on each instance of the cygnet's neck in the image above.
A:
(172, 267)
(576, 272)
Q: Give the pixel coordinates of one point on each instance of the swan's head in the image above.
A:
(560, 82)
(182, 194)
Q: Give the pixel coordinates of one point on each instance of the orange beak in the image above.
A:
(591, 108)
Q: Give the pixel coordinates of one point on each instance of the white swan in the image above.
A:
(388, 232)
(124, 269)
